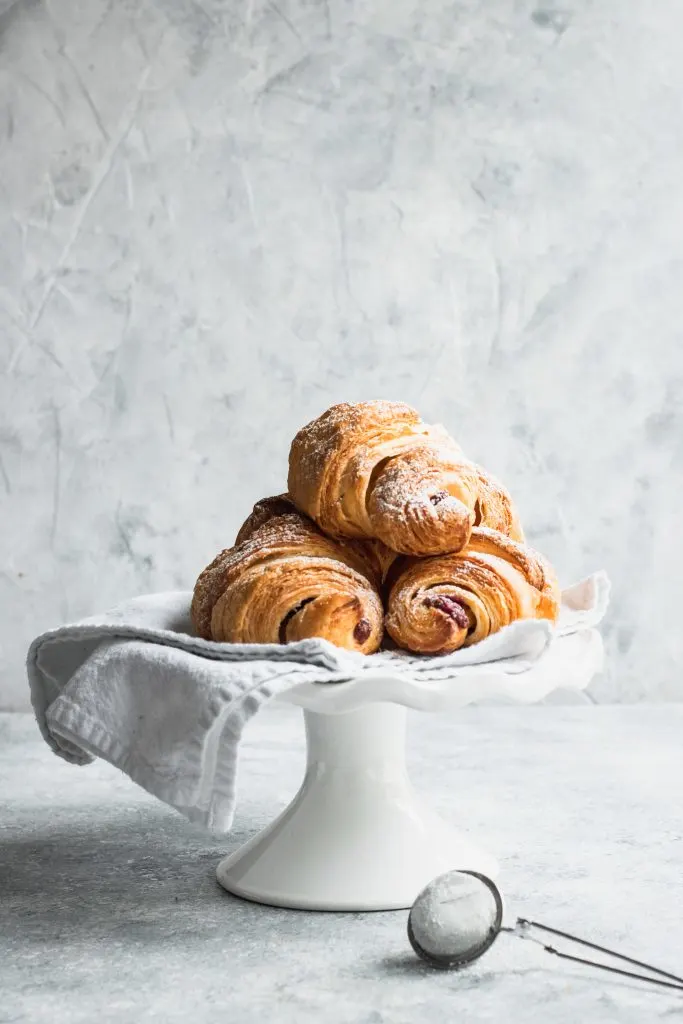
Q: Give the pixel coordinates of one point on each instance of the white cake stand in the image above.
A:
(357, 836)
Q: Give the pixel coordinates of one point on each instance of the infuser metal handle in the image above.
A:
(523, 924)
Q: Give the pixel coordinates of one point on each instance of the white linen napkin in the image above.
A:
(135, 687)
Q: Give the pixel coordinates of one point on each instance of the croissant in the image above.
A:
(374, 469)
(284, 580)
(440, 604)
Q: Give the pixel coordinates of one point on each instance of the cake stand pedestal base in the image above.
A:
(357, 836)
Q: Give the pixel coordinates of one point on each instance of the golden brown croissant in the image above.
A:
(442, 603)
(374, 469)
(284, 580)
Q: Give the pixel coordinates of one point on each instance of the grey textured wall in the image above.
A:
(216, 218)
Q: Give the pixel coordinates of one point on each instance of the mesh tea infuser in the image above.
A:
(459, 915)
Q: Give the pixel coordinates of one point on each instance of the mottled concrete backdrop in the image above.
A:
(216, 218)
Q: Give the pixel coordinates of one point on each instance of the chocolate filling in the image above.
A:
(362, 631)
(450, 606)
(290, 615)
(439, 496)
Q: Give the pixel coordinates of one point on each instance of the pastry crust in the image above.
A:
(262, 512)
(375, 470)
(495, 508)
(375, 557)
(439, 604)
(284, 580)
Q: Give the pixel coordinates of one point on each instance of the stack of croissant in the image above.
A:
(387, 530)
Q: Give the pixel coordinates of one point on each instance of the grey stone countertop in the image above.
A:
(109, 910)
